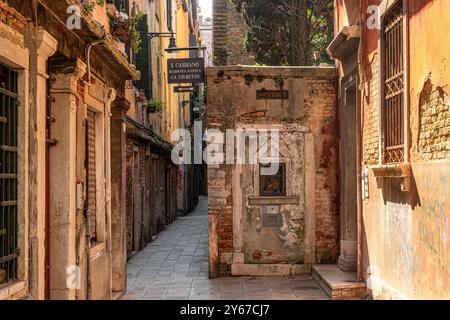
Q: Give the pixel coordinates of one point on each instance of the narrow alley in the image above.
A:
(175, 267)
(224, 150)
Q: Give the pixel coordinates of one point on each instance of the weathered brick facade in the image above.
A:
(229, 33)
(151, 188)
(239, 244)
(138, 200)
(434, 129)
(55, 230)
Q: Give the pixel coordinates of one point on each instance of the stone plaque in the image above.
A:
(272, 220)
(272, 94)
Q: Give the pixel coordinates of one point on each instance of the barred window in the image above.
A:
(8, 174)
(393, 69)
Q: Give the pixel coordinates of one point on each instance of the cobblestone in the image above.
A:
(175, 267)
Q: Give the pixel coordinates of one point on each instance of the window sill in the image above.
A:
(402, 171)
(10, 291)
(276, 200)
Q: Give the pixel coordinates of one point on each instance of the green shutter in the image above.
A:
(142, 59)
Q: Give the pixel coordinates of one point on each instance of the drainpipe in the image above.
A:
(359, 149)
(49, 142)
(88, 54)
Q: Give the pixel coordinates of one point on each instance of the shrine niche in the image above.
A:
(273, 185)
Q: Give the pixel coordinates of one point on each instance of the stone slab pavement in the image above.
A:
(175, 267)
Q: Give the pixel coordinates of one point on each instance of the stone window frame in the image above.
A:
(256, 176)
(384, 8)
(399, 171)
(16, 57)
(283, 178)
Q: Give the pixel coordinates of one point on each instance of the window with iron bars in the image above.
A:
(8, 174)
(394, 75)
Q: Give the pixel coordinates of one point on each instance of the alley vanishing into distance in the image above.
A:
(175, 267)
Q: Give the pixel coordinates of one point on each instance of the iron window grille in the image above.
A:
(9, 251)
(394, 75)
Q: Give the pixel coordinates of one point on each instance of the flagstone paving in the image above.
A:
(175, 267)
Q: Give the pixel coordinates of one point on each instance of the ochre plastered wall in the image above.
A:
(405, 236)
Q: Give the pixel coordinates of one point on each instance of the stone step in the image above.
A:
(339, 285)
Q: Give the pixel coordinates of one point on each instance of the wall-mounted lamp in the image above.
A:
(171, 35)
(172, 44)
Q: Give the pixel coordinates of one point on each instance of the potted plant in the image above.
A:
(155, 105)
(125, 28)
(120, 26)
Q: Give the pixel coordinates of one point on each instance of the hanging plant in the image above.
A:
(125, 28)
(89, 5)
(155, 105)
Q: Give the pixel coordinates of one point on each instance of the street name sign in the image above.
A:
(191, 70)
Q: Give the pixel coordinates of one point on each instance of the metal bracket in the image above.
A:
(152, 35)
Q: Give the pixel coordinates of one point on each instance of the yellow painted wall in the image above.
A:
(171, 118)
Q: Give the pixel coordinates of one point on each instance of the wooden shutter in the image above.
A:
(92, 175)
(142, 59)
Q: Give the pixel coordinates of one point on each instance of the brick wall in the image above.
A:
(434, 128)
(370, 106)
(146, 194)
(229, 33)
(129, 195)
(320, 110)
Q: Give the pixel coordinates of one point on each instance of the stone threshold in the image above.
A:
(262, 270)
(338, 284)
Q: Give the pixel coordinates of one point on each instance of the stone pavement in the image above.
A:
(175, 267)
